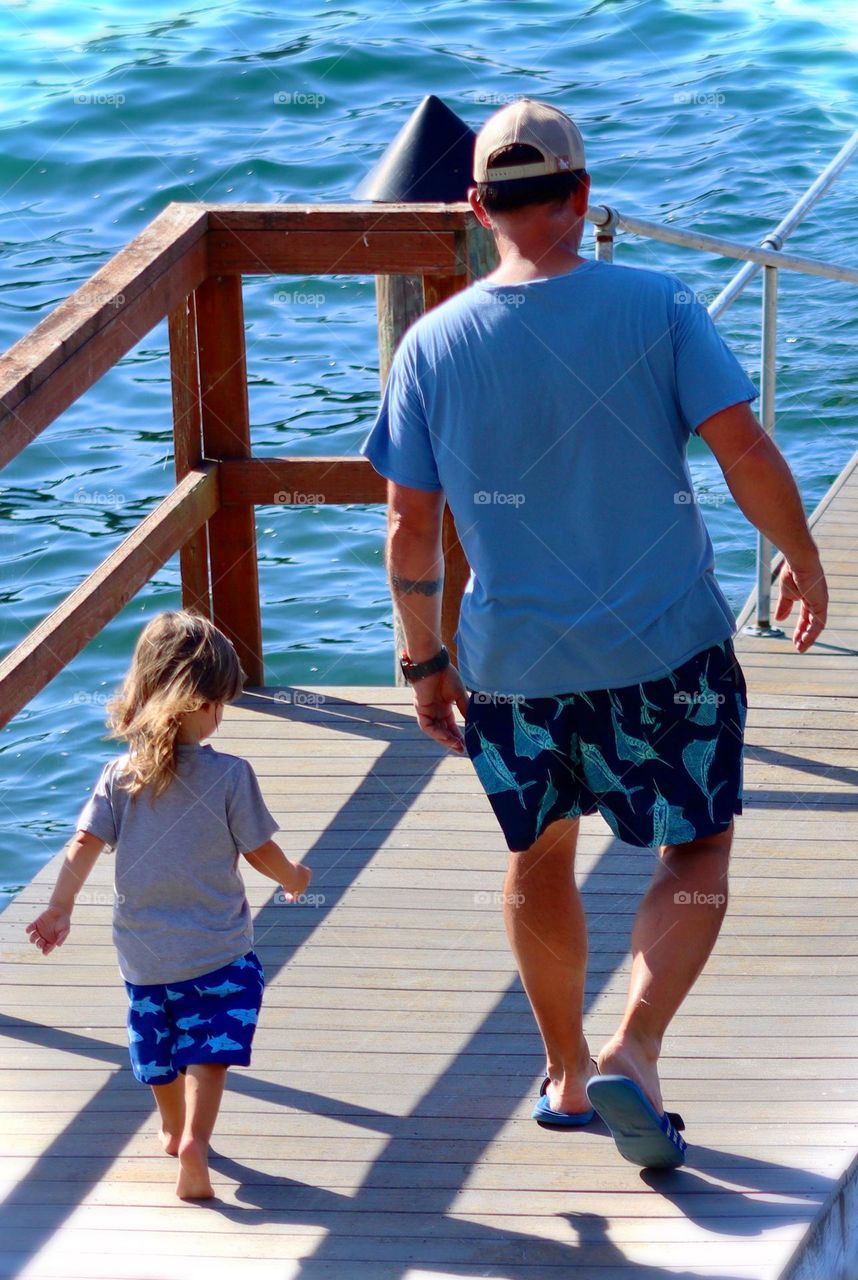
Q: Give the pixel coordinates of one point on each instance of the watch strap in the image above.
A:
(417, 670)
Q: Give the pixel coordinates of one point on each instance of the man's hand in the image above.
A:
(434, 698)
(807, 585)
(50, 929)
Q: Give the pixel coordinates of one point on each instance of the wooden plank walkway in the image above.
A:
(383, 1130)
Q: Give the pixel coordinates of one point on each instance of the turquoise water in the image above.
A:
(712, 115)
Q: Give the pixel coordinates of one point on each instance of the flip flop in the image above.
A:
(544, 1114)
(642, 1136)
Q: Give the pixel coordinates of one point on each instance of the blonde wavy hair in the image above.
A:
(180, 662)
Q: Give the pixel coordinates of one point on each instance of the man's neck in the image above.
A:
(516, 268)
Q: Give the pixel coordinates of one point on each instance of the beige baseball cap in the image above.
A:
(539, 125)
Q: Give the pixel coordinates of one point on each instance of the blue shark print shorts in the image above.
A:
(207, 1019)
(661, 761)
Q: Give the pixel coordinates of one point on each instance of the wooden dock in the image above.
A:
(383, 1131)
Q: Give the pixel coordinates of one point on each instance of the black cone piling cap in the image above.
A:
(430, 158)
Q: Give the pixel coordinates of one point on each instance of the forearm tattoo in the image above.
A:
(416, 586)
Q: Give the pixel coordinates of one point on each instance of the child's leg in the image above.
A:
(171, 1104)
(151, 1044)
(204, 1084)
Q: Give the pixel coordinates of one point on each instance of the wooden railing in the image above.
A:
(187, 264)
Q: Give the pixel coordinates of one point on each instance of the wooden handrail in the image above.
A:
(301, 481)
(60, 359)
(187, 265)
(83, 613)
(421, 239)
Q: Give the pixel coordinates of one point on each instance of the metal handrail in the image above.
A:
(775, 238)
(603, 216)
(770, 259)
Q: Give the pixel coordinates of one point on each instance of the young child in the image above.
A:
(178, 814)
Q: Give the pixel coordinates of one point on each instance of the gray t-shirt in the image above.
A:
(181, 909)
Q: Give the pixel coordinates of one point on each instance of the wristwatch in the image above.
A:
(417, 670)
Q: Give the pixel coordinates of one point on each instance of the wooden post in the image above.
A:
(226, 435)
(398, 302)
(482, 250)
(188, 446)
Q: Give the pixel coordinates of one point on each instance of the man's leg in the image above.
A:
(547, 931)
(675, 929)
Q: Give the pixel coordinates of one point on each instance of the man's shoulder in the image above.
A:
(641, 278)
(448, 314)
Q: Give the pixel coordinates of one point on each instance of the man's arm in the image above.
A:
(415, 566)
(760, 480)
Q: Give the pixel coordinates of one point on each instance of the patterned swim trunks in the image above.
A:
(661, 761)
(211, 1018)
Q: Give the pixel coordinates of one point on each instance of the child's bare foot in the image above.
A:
(170, 1142)
(193, 1182)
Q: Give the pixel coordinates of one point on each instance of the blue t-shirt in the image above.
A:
(555, 416)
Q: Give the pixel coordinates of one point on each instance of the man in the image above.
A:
(550, 405)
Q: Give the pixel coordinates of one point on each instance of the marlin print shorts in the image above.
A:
(661, 761)
(211, 1018)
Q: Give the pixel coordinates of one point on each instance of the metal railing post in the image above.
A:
(768, 376)
(603, 235)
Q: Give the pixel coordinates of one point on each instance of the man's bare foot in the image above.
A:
(170, 1142)
(567, 1091)
(193, 1182)
(625, 1056)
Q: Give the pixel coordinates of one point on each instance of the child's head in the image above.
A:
(181, 663)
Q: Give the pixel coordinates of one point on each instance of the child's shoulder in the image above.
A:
(224, 761)
(114, 766)
(223, 757)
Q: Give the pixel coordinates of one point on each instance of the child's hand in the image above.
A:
(297, 882)
(50, 929)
